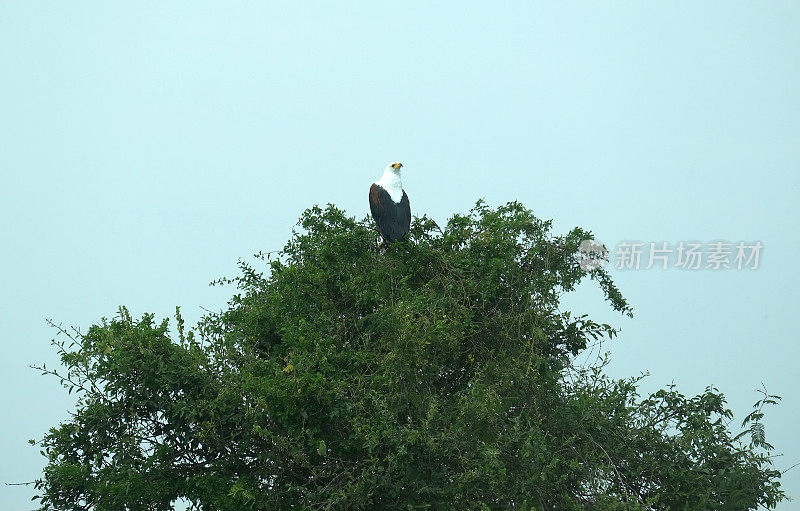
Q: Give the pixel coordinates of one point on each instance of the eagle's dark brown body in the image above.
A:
(392, 218)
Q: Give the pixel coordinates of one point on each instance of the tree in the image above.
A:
(437, 374)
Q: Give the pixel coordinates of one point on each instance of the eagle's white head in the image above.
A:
(390, 181)
(394, 167)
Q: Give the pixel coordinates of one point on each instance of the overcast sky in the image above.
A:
(145, 148)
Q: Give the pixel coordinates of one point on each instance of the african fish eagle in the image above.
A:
(389, 204)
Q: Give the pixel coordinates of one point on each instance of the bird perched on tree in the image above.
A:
(389, 205)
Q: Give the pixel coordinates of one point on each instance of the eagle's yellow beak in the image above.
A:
(396, 165)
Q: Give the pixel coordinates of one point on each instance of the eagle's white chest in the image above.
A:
(392, 184)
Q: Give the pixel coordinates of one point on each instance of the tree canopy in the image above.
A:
(436, 374)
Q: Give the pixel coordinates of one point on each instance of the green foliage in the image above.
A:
(434, 375)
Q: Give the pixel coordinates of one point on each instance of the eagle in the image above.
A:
(389, 205)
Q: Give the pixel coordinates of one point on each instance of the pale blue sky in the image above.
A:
(145, 148)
